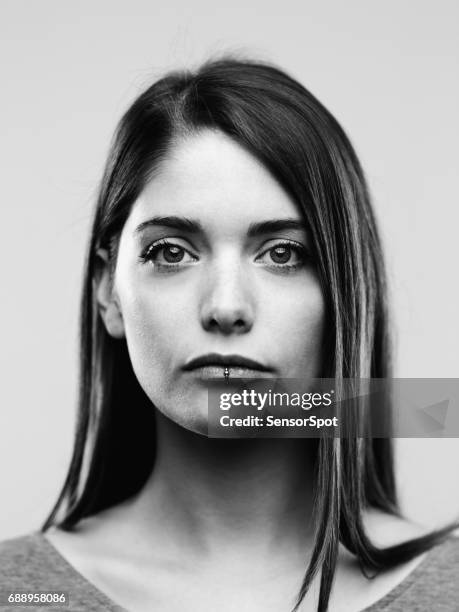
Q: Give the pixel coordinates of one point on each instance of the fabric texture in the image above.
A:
(32, 564)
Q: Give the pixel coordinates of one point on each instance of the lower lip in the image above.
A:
(211, 372)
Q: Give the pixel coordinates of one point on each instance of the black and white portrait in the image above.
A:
(203, 204)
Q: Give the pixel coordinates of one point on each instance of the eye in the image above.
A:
(281, 254)
(285, 254)
(166, 254)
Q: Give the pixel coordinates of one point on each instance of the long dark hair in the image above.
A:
(283, 125)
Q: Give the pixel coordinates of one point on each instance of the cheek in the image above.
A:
(154, 325)
(157, 324)
(296, 323)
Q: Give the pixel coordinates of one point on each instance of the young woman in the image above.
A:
(233, 234)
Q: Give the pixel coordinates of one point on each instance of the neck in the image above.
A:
(255, 493)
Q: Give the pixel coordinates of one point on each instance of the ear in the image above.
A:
(109, 308)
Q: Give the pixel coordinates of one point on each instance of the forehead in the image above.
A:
(210, 177)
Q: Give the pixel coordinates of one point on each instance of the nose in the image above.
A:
(227, 305)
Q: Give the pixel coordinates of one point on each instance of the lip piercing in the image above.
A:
(226, 373)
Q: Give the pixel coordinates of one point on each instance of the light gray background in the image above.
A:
(387, 70)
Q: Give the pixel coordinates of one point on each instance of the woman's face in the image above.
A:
(214, 260)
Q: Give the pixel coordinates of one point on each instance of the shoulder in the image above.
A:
(427, 582)
(388, 530)
(20, 555)
(30, 562)
(430, 582)
(442, 563)
(26, 565)
(433, 585)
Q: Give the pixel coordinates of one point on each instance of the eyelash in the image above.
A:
(152, 249)
(156, 247)
(299, 249)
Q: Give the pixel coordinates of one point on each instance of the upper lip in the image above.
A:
(225, 360)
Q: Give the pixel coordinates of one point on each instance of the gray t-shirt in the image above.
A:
(31, 564)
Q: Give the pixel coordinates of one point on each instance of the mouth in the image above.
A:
(213, 365)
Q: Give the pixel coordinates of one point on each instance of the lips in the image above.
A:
(212, 365)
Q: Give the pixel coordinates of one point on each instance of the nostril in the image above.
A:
(227, 324)
(226, 313)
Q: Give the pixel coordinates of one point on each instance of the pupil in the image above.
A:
(281, 254)
(173, 254)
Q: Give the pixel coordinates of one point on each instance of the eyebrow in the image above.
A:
(194, 227)
(275, 225)
(180, 223)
